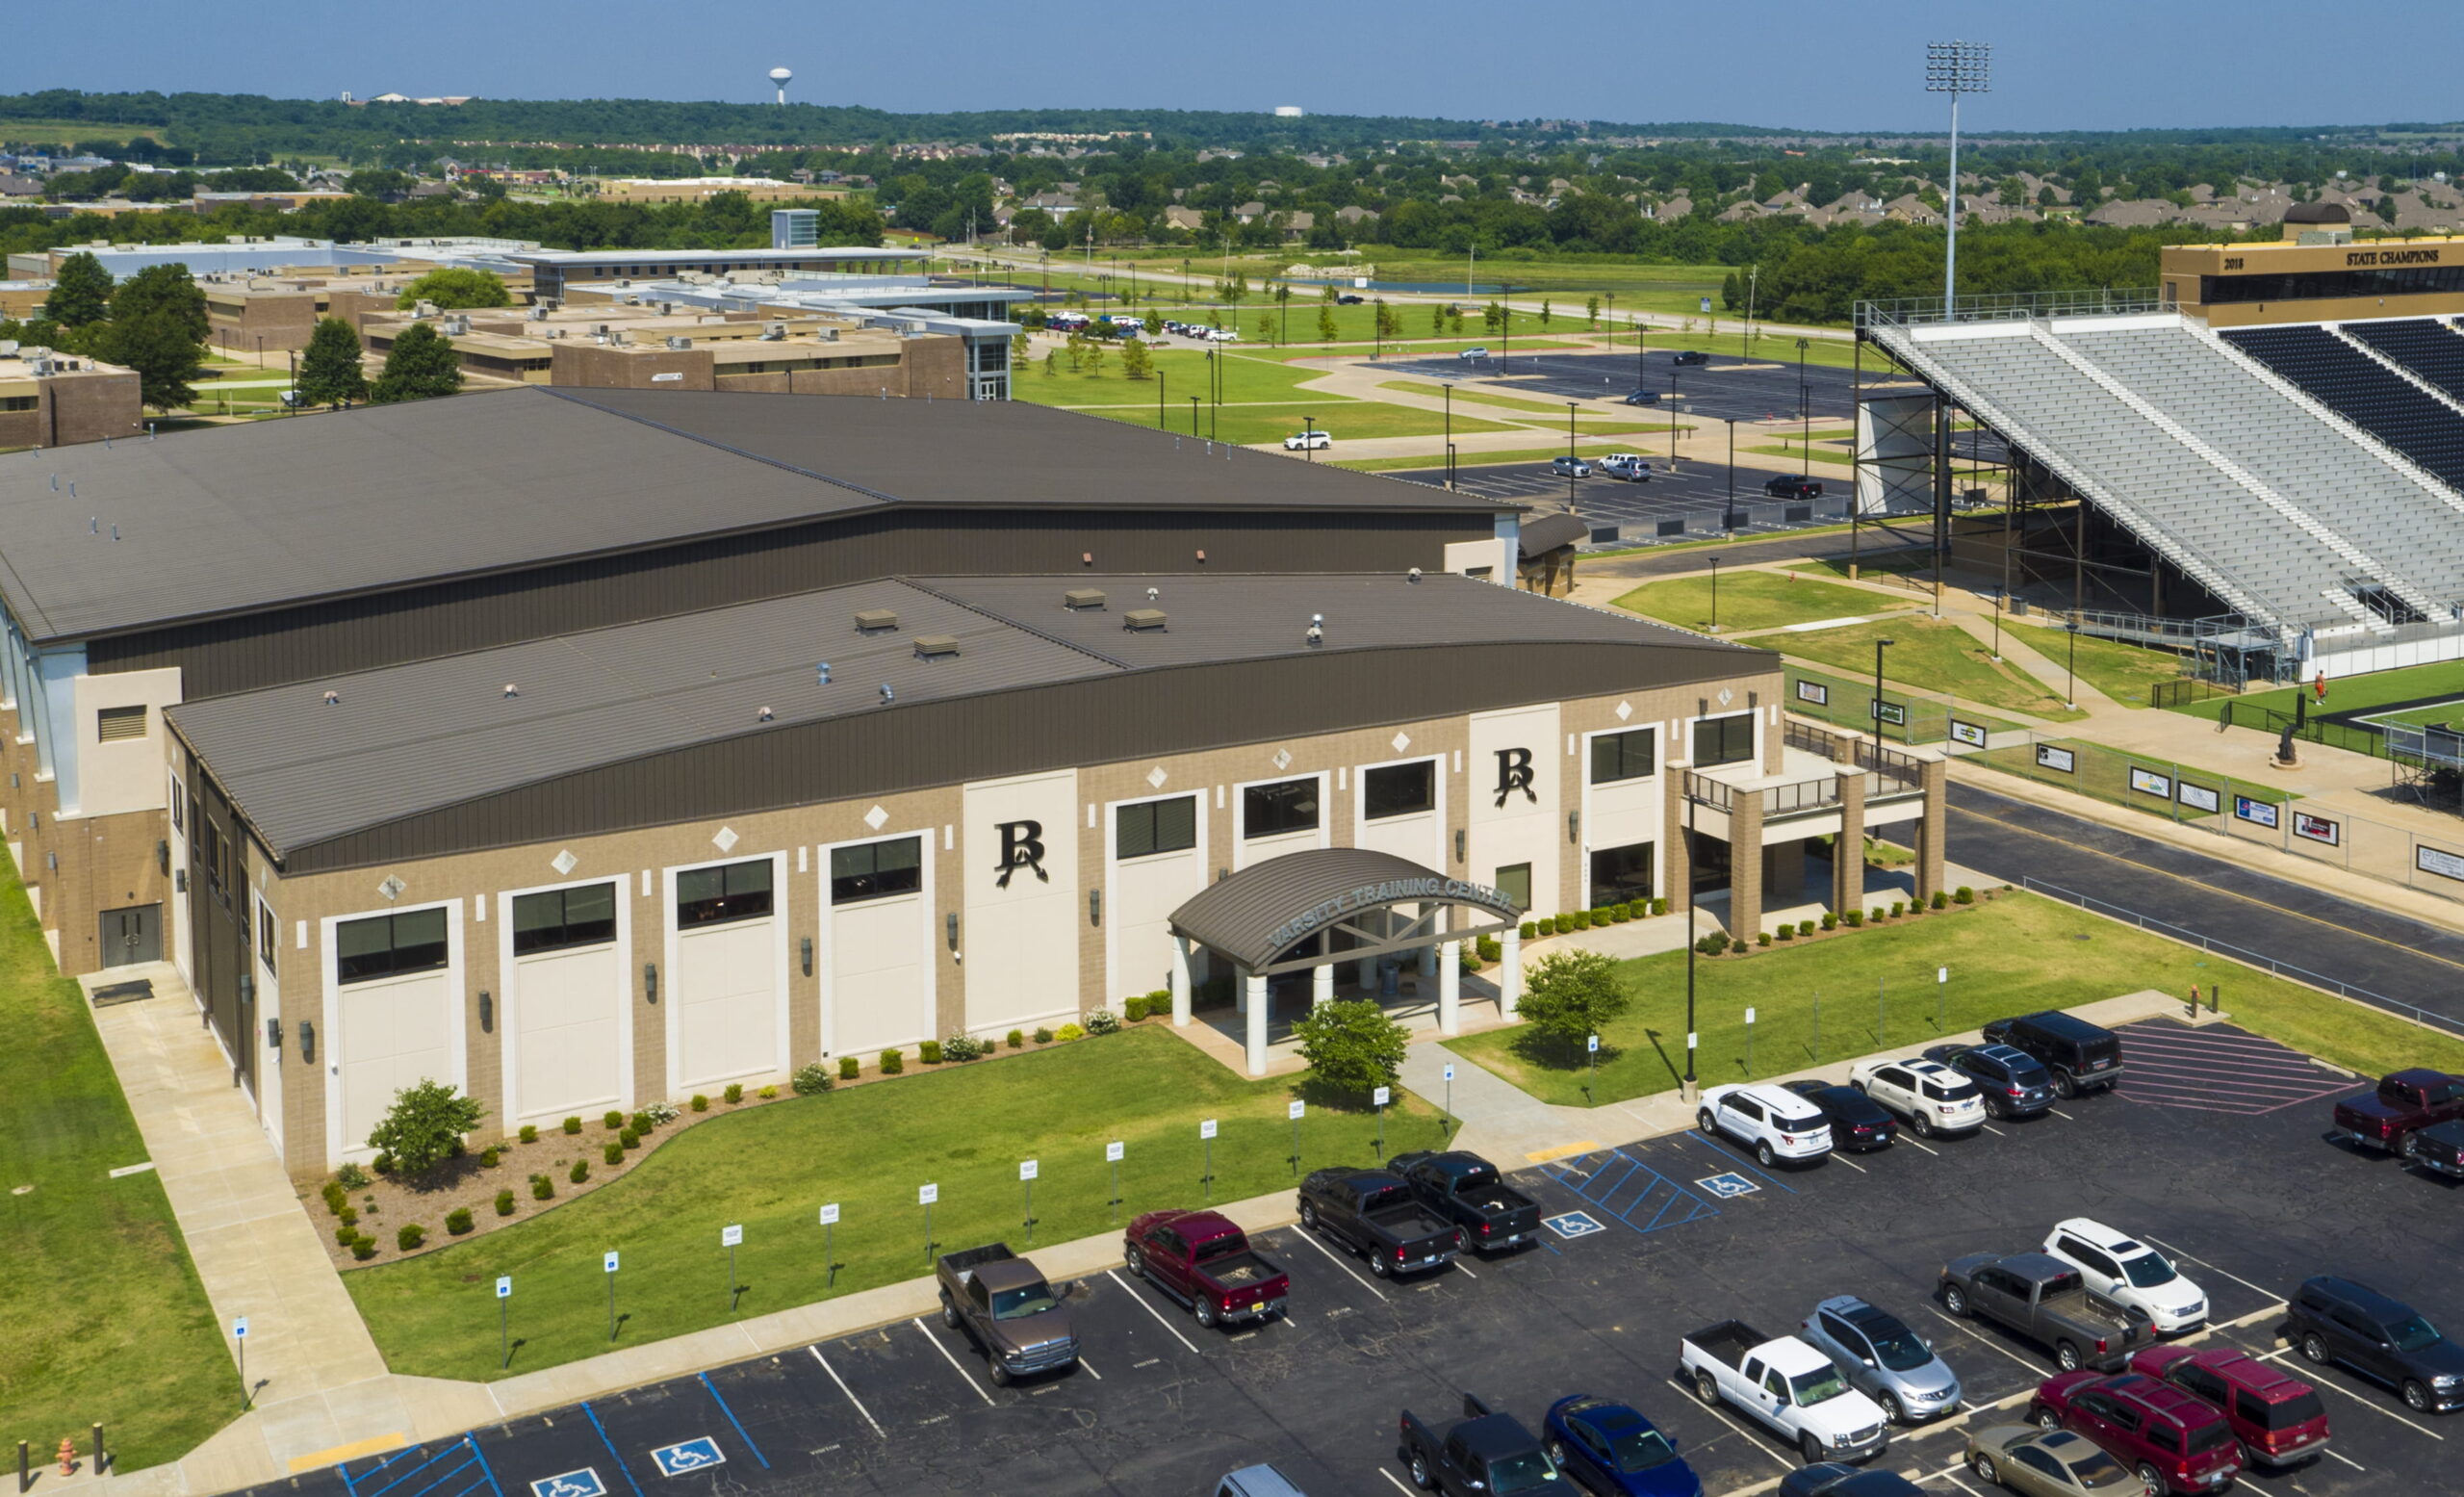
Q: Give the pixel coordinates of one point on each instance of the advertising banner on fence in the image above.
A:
(1968, 733)
(2319, 829)
(1890, 712)
(2198, 798)
(2258, 812)
(2051, 756)
(2438, 861)
(1814, 692)
(2147, 782)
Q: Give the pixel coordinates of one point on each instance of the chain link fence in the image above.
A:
(1905, 717)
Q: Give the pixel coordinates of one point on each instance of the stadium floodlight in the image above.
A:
(1956, 68)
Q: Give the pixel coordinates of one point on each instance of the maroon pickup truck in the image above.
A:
(1204, 1262)
(2403, 1102)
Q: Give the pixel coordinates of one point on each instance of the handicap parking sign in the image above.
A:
(584, 1483)
(1572, 1224)
(689, 1456)
(1726, 1186)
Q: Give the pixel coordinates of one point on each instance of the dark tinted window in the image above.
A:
(2282, 1414)
(1155, 826)
(713, 897)
(1619, 874)
(2214, 1434)
(1723, 740)
(564, 918)
(875, 870)
(388, 946)
(1398, 790)
(1623, 756)
(1284, 806)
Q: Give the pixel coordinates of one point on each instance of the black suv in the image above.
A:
(1642, 397)
(2082, 1056)
(1789, 485)
(2336, 1320)
(1692, 356)
(2013, 1084)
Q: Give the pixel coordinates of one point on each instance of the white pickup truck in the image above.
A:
(1788, 1387)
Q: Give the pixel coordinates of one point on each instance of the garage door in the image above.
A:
(393, 1014)
(564, 1006)
(725, 984)
(878, 917)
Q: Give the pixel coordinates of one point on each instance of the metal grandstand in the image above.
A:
(2308, 480)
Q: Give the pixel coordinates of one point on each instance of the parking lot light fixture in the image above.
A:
(1672, 417)
(1691, 1089)
(1570, 457)
(1728, 515)
(1805, 408)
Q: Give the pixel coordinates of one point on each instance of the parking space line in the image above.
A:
(1152, 1310)
(1911, 1140)
(1851, 1164)
(1311, 1238)
(712, 1389)
(2272, 1296)
(2063, 1116)
(1996, 1132)
(489, 1471)
(1980, 1340)
(593, 1416)
(972, 1386)
(1952, 1475)
(1461, 1268)
(1740, 1163)
(850, 1392)
(1721, 1415)
(2346, 1460)
(2366, 1403)
(1091, 1369)
(1399, 1486)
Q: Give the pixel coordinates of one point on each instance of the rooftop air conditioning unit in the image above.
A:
(8, 348)
(935, 647)
(1083, 598)
(872, 620)
(1144, 619)
(599, 329)
(423, 309)
(538, 314)
(39, 366)
(675, 341)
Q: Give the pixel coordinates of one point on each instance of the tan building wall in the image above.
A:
(909, 366)
(86, 405)
(2181, 267)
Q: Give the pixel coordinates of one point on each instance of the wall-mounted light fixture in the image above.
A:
(807, 956)
(51, 861)
(274, 1035)
(1574, 826)
(950, 927)
(650, 982)
(487, 1013)
(1095, 907)
(307, 1040)
(1459, 844)
(180, 879)
(163, 854)
(247, 988)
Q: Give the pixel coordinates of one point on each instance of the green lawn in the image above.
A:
(2017, 953)
(2445, 678)
(101, 1314)
(1941, 655)
(1847, 703)
(1481, 398)
(2123, 672)
(1183, 374)
(964, 1128)
(1796, 452)
(1754, 600)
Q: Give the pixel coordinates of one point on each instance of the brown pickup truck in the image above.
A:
(1004, 1307)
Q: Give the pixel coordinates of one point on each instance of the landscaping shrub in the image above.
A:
(1660, 907)
(1852, 918)
(1102, 1022)
(579, 1173)
(1072, 1032)
(1712, 944)
(810, 1080)
(1764, 938)
(1491, 949)
(1829, 921)
(848, 1066)
(1940, 900)
(769, 1091)
(410, 1236)
(542, 1188)
(530, 1133)
(1898, 907)
(351, 1176)
(612, 1154)
(1964, 895)
(965, 1048)
(349, 1215)
(383, 1164)
(1133, 1009)
(1615, 915)
(733, 1094)
(1875, 915)
(892, 1063)
(363, 1249)
(1638, 909)
(700, 1103)
(628, 1139)
(1468, 959)
(1018, 1039)
(640, 1122)
(1530, 930)
(1043, 1036)
(615, 1121)
(1738, 946)
(928, 1052)
(573, 1126)
(661, 1113)
(504, 1202)
(487, 1158)
(1805, 927)
(336, 1198)
(1788, 933)
(458, 1221)
(346, 1236)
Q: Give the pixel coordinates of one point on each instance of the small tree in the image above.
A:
(1571, 995)
(1493, 317)
(1351, 1045)
(1591, 312)
(1266, 327)
(423, 1124)
(420, 365)
(1325, 325)
(79, 293)
(1546, 311)
(329, 370)
(451, 286)
(1136, 363)
(1437, 319)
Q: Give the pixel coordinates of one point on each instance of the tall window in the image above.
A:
(876, 870)
(1623, 756)
(1155, 826)
(267, 939)
(1723, 740)
(1514, 881)
(1283, 806)
(715, 896)
(564, 918)
(1398, 790)
(389, 945)
(1619, 874)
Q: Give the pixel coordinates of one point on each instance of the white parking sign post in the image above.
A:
(925, 1195)
(505, 1331)
(1942, 995)
(728, 1238)
(1380, 1097)
(830, 1243)
(1027, 1182)
(1112, 1158)
(1296, 1112)
(1749, 1040)
(1206, 1182)
(1450, 1090)
(607, 1266)
(1591, 1045)
(239, 1343)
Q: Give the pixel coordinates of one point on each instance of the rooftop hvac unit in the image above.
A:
(599, 329)
(1144, 619)
(538, 314)
(39, 366)
(933, 647)
(870, 620)
(423, 309)
(774, 333)
(8, 348)
(1083, 598)
(677, 340)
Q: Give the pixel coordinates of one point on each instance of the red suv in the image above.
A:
(2278, 1418)
(2175, 1442)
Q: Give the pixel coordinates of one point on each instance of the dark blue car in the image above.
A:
(1612, 1449)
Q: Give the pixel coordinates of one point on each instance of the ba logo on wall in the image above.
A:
(1021, 847)
(1514, 773)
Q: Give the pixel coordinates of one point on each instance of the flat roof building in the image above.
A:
(60, 399)
(558, 272)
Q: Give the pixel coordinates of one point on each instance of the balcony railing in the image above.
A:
(1777, 801)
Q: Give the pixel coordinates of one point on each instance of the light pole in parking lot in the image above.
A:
(1956, 68)
(1728, 515)
(1672, 418)
(1715, 595)
(1308, 436)
(1805, 406)
(1449, 434)
(1192, 418)
(1570, 457)
(1690, 850)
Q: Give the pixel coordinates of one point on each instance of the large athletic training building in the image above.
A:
(583, 749)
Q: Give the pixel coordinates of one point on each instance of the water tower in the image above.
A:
(779, 77)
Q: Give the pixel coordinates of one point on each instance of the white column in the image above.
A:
(1449, 988)
(1181, 984)
(1510, 973)
(1322, 983)
(1253, 997)
(1367, 975)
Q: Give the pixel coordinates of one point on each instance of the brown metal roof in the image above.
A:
(1547, 532)
(1257, 914)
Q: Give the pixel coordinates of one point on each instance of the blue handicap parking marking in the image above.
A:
(584, 1483)
(1726, 1186)
(1572, 1224)
(692, 1455)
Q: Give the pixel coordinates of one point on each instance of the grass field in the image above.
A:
(1245, 380)
(101, 1314)
(1753, 599)
(1795, 452)
(2015, 953)
(1482, 398)
(2441, 680)
(964, 1128)
(1937, 653)
(2123, 672)
(2104, 774)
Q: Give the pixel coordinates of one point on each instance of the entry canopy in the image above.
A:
(1259, 916)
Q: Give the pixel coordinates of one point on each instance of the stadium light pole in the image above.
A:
(1955, 68)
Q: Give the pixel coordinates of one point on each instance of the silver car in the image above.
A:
(1883, 1359)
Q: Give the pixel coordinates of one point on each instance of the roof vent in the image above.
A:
(679, 340)
(871, 620)
(1083, 598)
(1144, 619)
(933, 647)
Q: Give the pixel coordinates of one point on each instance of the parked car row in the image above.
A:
(2417, 1114)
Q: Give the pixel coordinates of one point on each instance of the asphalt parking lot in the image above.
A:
(1690, 502)
(1764, 388)
(1649, 1240)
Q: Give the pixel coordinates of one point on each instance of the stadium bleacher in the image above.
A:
(2430, 349)
(2364, 392)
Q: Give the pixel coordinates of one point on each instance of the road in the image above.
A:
(2390, 955)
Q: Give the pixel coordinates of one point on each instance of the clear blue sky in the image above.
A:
(2071, 63)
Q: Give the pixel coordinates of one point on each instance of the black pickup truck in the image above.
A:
(1468, 1191)
(1484, 1454)
(1375, 1213)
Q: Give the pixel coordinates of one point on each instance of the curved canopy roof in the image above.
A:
(1259, 914)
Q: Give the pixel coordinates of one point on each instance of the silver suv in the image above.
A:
(1883, 1359)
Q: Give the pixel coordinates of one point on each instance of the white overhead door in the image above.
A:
(564, 1004)
(1158, 857)
(727, 981)
(393, 1021)
(877, 914)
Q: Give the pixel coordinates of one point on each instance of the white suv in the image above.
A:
(2128, 1272)
(1931, 1096)
(1772, 1121)
(1310, 441)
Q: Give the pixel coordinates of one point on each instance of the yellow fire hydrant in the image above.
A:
(67, 1455)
